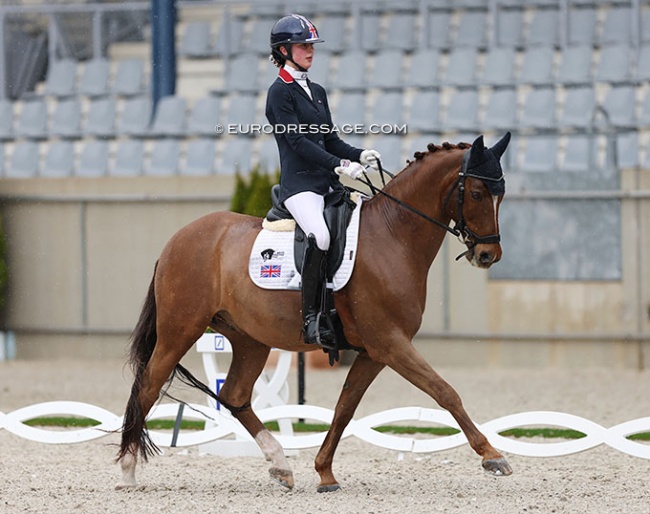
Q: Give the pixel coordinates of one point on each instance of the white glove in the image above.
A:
(351, 169)
(369, 158)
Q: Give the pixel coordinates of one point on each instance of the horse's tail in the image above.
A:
(135, 437)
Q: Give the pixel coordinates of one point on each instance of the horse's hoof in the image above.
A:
(284, 477)
(328, 488)
(497, 467)
(123, 486)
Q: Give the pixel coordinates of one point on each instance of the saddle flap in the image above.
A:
(277, 211)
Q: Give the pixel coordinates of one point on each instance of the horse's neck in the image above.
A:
(424, 189)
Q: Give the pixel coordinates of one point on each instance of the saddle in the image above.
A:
(337, 213)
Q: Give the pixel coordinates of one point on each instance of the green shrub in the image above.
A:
(253, 195)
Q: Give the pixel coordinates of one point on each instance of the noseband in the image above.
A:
(464, 234)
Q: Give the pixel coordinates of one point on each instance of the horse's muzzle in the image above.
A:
(484, 255)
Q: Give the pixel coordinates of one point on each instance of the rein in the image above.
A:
(464, 234)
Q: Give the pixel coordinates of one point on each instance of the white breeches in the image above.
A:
(307, 209)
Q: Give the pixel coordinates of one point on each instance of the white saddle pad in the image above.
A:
(271, 264)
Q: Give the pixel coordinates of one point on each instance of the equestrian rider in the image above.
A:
(312, 157)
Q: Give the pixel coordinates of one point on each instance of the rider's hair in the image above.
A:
(277, 58)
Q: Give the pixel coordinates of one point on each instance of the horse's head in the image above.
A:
(480, 188)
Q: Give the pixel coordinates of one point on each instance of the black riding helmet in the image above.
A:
(290, 29)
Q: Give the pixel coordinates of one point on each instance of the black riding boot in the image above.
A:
(318, 329)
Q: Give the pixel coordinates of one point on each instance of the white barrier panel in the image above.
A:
(596, 434)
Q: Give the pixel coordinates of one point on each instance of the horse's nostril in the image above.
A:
(485, 257)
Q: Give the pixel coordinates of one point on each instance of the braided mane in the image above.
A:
(431, 148)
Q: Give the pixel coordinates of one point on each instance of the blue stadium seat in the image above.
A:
(95, 78)
(268, 156)
(501, 110)
(100, 120)
(424, 115)
(620, 105)
(136, 117)
(169, 119)
(580, 153)
(129, 78)
(461, 67)
(390, 146)
(199, 157)
(32, 120)
(582, 25)
(388, 108)
(539, 110)
(242, 74)
(196, 41)
(644, 115)
(258, 38)
(643, 64)
(61, 78)
(472, 30)
(578, 109)
(370, 31)
(229, 36)
(423, 71)
(164, 158)
(508, 29)
(386, 73)
(617, 26)
(129, 158)
(438, 30)
(235, 156)
(627, 150)
(401, 33)
(499, 67)
(204, 117)
(537, 66)
(544, 28)
(241, 112)
(6, 120)
(350, 109)
(333, 30)
(615, 64)
(59, 159)
(351, 73)
(93, 161)
(462, 111)
(66, 119)
(319, 71)
(540, 154)
(24, 160)
(575, 67)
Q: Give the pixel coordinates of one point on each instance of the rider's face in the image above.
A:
(303, 54)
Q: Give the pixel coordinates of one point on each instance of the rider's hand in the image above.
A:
(369, 158)
(351, 169)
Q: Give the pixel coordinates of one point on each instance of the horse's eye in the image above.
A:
(476, 195)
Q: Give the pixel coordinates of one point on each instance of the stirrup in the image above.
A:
(323, 331)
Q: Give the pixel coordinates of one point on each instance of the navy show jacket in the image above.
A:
(309, 149)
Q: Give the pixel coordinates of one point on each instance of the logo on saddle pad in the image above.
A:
(272, 266)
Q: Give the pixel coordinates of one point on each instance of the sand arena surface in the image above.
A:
(43, 478)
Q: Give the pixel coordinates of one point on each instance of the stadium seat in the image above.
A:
(268, 156)
(169, 118)
(424, 115)
(644, 115)
(582, 23)
(544, 28)
(501, 110)
(620, 105)
(643, 63)
(370, 31)
(499, 67)
(578, 108)
(350, 109)
(401, 33)
(136, 116)
(388, 108)
(423, 71)
(258, 38)
(472, 30)
(508, 29)
(461, 67)
(615, 64)
(196, 41)
(540, 154)
(242, 74)
(6, 120)
(575, 67)
(438, 33)
(199, 157)
(580, 153)
(59, 159)
(164, 158)
(129, 158)
(24, 160)
(204, 117)
(61, 78)
(645, 24)
(539, 110)
(617, 26)
(32, 120)
(333, 30)
(537, 66)
(66, 119)
(229, 37)
(129, 78)
(351, 73)
(100, 120)
(386, 72)
(318, 73)
(93, 161)
(95, 78)
(235, 156)
(390, 148)
(462, 111)
(627, 150)
(241, 113)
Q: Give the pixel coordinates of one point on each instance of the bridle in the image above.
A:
(460, 229)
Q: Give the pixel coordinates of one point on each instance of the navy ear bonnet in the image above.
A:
(485, 164)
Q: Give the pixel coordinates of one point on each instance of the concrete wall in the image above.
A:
(81, 255)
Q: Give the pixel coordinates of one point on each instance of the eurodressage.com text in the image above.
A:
(348, 128)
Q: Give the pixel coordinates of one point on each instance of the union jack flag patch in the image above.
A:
(271, 271)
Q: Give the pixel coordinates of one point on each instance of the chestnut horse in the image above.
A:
(201, 280)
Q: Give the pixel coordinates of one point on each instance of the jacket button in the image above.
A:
(320, 142)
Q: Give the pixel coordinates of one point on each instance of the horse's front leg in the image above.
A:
(406, 361)
(363, 371)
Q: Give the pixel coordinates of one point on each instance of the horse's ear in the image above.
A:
(501, 145)
(478, 146)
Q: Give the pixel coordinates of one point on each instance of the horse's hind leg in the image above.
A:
(248, 360)
(406, 361)
(362, 373)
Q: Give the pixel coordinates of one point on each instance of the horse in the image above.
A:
(201, 280)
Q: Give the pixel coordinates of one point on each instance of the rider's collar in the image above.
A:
(289, 74)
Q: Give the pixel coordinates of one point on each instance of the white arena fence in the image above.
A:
(270, 396)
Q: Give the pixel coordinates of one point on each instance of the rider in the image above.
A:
(311, 158)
